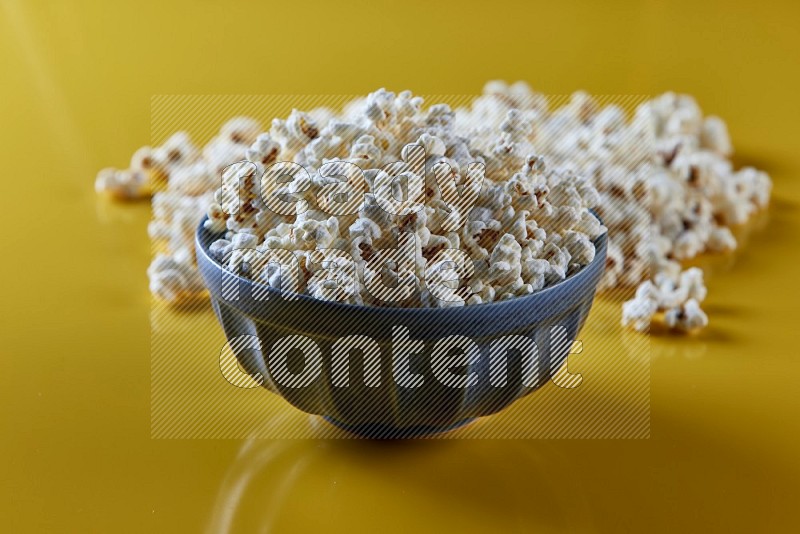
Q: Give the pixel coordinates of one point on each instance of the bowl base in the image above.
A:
(378, 431)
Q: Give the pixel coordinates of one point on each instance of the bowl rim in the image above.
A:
(581, 277)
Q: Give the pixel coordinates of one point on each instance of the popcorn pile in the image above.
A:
(181, 180)
(661, 182)
(668, 191)
(527, 226)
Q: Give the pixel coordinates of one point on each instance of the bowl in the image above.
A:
(410, 371)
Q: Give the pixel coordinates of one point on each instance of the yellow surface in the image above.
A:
(75, 367)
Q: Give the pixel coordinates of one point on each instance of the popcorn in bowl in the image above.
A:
(661, 182)
(522, 210)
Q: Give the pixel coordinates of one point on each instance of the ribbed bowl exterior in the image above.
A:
(551, 318)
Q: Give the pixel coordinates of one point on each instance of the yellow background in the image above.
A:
(75, 449)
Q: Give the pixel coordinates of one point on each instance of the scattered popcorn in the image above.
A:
(149, 171)
(661, 182)
(668, 191)
(638, 313)
(175, 219)
(175, 278)
(122, 184)
(677, 298)
(181, 180)
(687, 317)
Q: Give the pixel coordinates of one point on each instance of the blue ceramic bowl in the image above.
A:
(393, 409)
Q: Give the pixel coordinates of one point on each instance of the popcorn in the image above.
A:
(579, 246)
(295, 132)
(687, 317)
(192, 180)
(505, 266)
(175, 219)
(721, 239)
(175, 279)
(334, 278)
(638, 313)
(264, 151)
(149, 169)
(667, 191)
(240, 130)
(506, 181)
(677, 297)
(122, 185)
(314, 234)
(558, 260)
(451, 203)
(176, 151)
(243, 240)
(220, 250)
(714, 136)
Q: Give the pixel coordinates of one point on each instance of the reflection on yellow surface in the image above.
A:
(270, 485)
(534, 486)
(74, 360)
